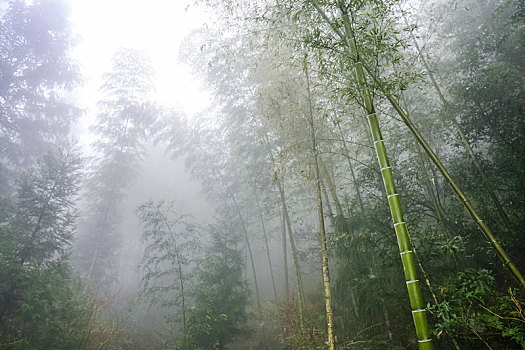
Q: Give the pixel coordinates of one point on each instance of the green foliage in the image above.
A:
(38, 306)
(220, 297)
(313, 334)
(473, 306)
(171, 242)
(124, 119)
(35, 70)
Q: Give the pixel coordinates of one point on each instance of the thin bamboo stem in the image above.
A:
(285, 256)
(351, 168)
(331, 187)
(462, 197)
(450, 116)
(295, 259)
(263, 226)
(322, 230)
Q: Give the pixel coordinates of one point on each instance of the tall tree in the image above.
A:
(35, 72)
(36, 231)
(123, 121)
(322, 230)
(221, 297)
(170, 240)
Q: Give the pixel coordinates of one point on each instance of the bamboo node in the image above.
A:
(424, 340)
(399, 223)
(411, 281)
(387, 167)
(419, 310)
(392, 195)
(378, 141)
(406, 252)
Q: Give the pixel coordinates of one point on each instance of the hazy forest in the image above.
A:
(320, 174)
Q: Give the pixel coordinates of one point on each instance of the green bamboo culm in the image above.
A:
(462, 197)
(507, 262)
(403, 240)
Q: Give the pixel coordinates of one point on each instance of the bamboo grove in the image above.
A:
(355, 182)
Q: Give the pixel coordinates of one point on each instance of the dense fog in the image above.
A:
(232, 174)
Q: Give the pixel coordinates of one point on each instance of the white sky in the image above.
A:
(156, 26)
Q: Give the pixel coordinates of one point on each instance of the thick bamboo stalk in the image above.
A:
(407, 254)
(404, 116)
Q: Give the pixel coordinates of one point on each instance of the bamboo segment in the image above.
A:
(405, 248)
(403, 240)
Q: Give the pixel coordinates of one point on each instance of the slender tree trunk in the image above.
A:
(247, 240)
(248, 246)
(179, 267)
(433, 199)
(332, 188)
(351, 168)
(462, 197)
(94, 256)
(252, 261)
(450, 116)
(322, 232)
(295, 259)
(431, 290)
(387, 320)
(354, 303)
(265, 240)
(360, 202)
(285, 256)
(327, 203)
(298, 278)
